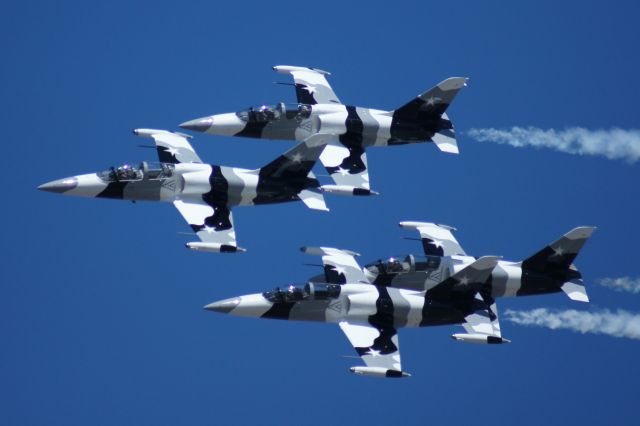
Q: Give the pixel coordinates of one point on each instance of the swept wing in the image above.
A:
(340, 266)
(378, 347)
(437, 239)
(311, 84)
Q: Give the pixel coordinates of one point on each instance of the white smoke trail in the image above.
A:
(628, 284)
(617, 324)
(615, 144)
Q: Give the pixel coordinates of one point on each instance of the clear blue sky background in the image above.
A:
(101, 318)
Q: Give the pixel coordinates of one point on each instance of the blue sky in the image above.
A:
(101, 317)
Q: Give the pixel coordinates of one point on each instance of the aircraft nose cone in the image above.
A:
(198, 125)
(60, 186)
(223, 306)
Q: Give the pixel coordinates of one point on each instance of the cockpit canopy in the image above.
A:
(296, 293)
(128, 172)
(267, 113)
(410, 263)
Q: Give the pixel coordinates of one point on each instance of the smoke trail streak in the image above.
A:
(616, 324)
(628, 284)
(614, 144)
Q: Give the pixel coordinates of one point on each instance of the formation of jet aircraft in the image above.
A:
(349, 129)
(445, 286)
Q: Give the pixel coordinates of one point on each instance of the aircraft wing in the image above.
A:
(483, 321)
(340, 266)
(378, 347)
(212, 224)
(437, 240)
(468, 281)
(311, 84)
(347, 166)
(172, 147)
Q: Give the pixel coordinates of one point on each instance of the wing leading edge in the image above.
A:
(340, 266)
(437, 239)
(378, 347)
(172, 147)
(212, 224)
(311, 84)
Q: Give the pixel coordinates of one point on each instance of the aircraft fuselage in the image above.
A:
(355, 303)
(355, 126)
(508, 279)
(216, 185)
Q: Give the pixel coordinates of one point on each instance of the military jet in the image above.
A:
(444, 287)
(204, 194)
(351, 129)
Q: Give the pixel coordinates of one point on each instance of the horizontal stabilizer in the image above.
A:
(445, 139)
(313, 199)
(575, 290)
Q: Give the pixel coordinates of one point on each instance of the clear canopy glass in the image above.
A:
(268, 113)
(410, 263)
(128, 172)
(296, 293)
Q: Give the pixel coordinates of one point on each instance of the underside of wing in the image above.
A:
(347, 166)
(378, 347)
(437, 240)
(172, 147)
(483, 325)
(212, 224)
(340, 266)
(311, 84)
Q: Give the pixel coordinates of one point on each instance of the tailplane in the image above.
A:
(557, 258)
(428, 109)
(560, 254)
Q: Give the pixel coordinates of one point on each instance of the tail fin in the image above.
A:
(468, 280)
(557, 259)
(560, 254)
(429, 109)
(298, 161)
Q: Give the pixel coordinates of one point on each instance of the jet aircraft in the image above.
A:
(351, 129)
(204, 194)
(445, 286)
